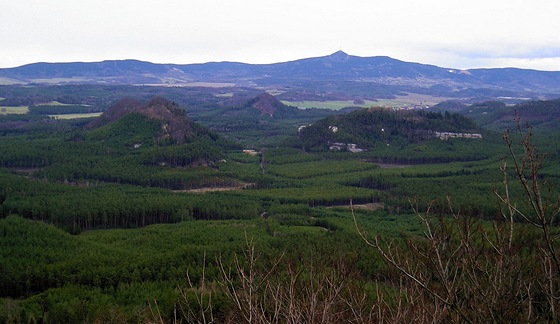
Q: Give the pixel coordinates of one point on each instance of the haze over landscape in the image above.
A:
(458, 34)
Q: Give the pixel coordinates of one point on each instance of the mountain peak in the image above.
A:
(339, 53)
(339, 56)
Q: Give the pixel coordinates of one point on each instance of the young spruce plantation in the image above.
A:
(159, 211)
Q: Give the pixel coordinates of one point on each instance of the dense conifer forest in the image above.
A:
(158, 211)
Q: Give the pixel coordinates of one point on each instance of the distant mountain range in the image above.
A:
(378, 76)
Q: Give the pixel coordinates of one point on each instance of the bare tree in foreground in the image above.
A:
(468, 271)
(462, 270)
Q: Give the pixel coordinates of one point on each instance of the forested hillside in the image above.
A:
(377, 127)
(542, 114)
(173, 125)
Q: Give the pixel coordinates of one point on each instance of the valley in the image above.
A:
(217, 198)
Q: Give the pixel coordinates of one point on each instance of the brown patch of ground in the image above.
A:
(26, 171)
(213, 189)
(371, 206)
(392, 165)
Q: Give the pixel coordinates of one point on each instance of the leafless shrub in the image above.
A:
(196, 300)
(464, 270)
(461, 270)
(293, 293)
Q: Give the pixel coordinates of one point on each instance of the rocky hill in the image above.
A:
(261, 106)
(266, 104)
(173, 126)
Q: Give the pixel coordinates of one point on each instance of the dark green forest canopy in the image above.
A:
(96, 223)
(543, 115)
(131, 150)
(375, 127)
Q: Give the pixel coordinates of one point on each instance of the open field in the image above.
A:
(56, 103)
(224, 95)
(76, 116)
(20, 110)
(9, 81)
(176, 83)
(59, 80)
(274, 92)
(412, 99)
(334, 105)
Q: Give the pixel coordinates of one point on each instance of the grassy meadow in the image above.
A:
(400, 101)
(76, 116)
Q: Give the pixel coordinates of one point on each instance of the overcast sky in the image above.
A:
(447, 33)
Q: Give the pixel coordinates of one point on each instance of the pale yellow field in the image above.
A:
(334, 105)
(224, 95)
(275, 92)
(410, 100)
(60, 80)
(56, 103)
(14, 110)
(76, 116)
(8, 81)
(208, 84)
(193, 84)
